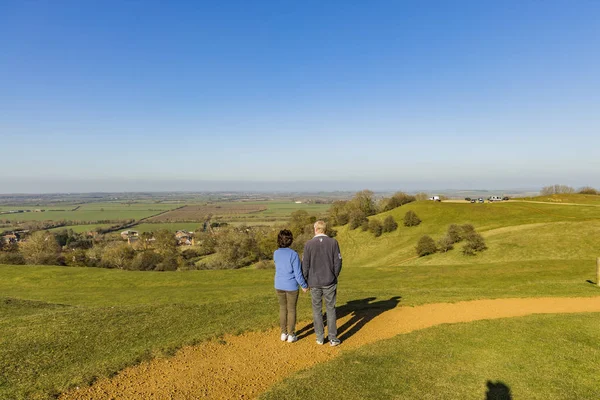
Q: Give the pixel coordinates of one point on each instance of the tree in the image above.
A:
(338, 214)
(364, 202)
(421, 196)
(556, 189)
(445, 244)
(397, 200)
(389, 224)
(299, 221)
(146, 260)
(118, 255)
(455, 233)
(411, 219)
(165, 243)
(588, 190)
(357, 217)
(375, 227)
(41, 248)
(426, 246)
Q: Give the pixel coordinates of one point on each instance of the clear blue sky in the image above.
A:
(120, 95)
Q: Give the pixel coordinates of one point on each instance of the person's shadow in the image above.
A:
(362, 311)
(497, 391)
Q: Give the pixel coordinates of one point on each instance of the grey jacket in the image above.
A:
(321, 261)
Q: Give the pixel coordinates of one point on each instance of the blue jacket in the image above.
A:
(288, 272)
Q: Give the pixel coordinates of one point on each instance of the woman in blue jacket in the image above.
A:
(288, 275)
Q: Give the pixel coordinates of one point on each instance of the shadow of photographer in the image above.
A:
(497, 391)
(362, 311)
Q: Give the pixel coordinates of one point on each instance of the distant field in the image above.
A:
(250, 212)
(201, 212)
(79, 215)
(170, 226)
(81, 228)
(120, 206)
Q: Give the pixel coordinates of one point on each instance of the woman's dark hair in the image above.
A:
(285, 238)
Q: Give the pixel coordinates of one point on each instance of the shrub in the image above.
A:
(146, 261)
(411, 219)
(375, 227)
(41, 248)
(426, 246)
(397, 200)
(12, 258)
(389, 224)
(475, 243)
(588, 190)
(445, 244)
(455, 233)
(188, 254)
(467, 231)
(265, 264)
(365, 225)
(357, 218)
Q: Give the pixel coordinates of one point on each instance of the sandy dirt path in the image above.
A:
(243, 367)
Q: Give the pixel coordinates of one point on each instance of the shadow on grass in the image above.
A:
(362, 311)
(497, 391)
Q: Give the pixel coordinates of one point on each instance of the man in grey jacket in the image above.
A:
(321, 266)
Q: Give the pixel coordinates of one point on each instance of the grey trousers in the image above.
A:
(329, 294)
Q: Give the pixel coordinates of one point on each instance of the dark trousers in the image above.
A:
(287, 310)
(328, 294)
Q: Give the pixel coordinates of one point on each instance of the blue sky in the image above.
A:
(192, 95)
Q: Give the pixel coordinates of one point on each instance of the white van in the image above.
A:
(495, 198)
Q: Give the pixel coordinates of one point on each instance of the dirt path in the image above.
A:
(242, 367)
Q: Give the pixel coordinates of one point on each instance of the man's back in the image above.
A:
(321, 261)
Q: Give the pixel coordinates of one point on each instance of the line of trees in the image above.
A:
(473, 241)
(564, 189)
(356, 211)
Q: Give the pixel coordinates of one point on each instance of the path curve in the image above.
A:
(243, 367)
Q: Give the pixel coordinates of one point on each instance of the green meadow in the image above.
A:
(62, 327)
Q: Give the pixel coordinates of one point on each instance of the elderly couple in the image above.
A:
(320, 268)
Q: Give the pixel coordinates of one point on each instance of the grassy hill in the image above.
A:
(62, 327)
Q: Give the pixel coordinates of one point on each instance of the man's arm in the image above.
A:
(337, 259)
(306, 262)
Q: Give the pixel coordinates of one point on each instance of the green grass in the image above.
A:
(395, 248)
(573, 198)
(64, 326)
(541, 357)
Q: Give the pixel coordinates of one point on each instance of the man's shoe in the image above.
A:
(284, 337)
(334, 342)
(292, 338)
(319, 342)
